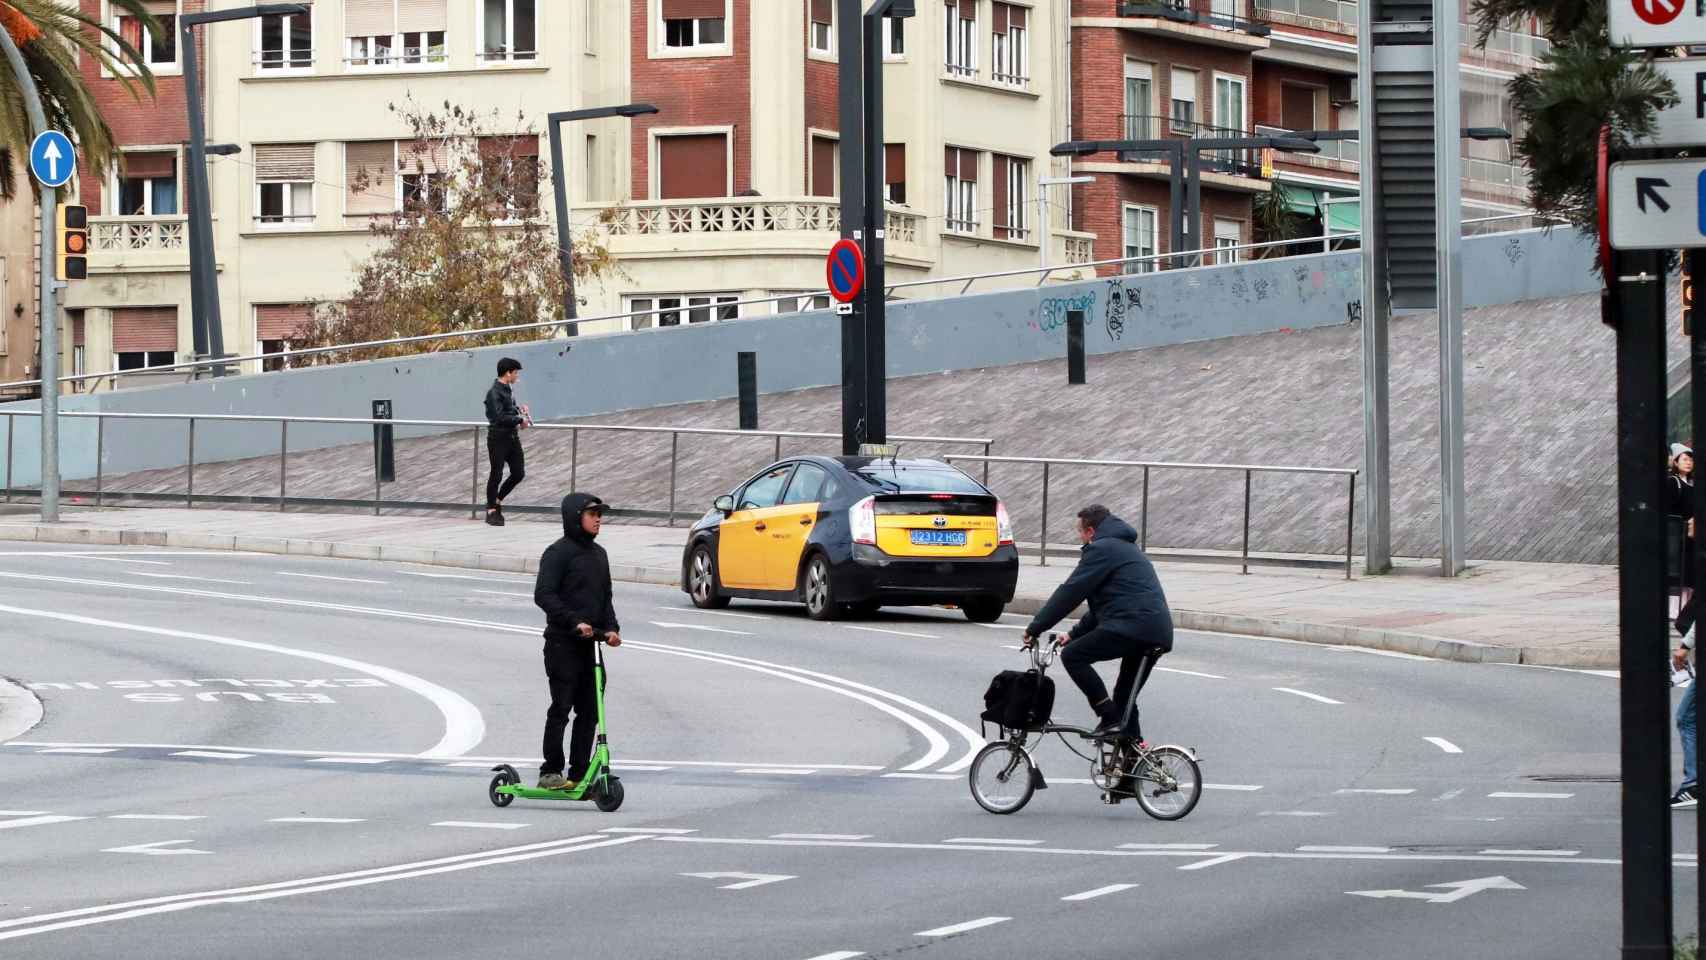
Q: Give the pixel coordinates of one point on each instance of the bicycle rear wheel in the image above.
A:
(1001, 780)
(1169, 783)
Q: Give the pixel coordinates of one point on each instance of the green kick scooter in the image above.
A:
(599, 785)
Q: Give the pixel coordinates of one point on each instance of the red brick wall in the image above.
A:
(157, 120)
(1265, 94)
(823, 108)
(1099, 208)
(692, 91)
(1098, 75)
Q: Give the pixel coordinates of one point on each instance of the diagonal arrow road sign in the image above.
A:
(156, 849)
(1646, 188)
(751, 879)
(1454, 891)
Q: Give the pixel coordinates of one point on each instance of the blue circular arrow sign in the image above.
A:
(52, 158)
(846, 268)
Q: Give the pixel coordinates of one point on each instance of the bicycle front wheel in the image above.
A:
(1169, 783)
(1001, 780)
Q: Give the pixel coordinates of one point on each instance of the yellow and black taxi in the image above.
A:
(847, 535)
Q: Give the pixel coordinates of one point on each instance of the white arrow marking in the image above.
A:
(699, 626)
(750, 879)
(1455, 891)
(154, 849)
(52, 156)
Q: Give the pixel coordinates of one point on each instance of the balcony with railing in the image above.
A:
(1235, 20)
(138, 243)
(1235, 163)
(733, 225)
(1507, 48)
(1335, 156)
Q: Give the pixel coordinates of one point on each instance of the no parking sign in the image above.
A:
(846, 269)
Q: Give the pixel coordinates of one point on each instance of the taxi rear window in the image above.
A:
(914, 480)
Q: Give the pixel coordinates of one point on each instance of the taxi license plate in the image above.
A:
(938, 538)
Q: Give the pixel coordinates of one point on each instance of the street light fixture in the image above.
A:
(559, 186)
(204, 280)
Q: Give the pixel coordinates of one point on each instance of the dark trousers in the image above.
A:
(569, 670)
(1080, 657)
(503, 449)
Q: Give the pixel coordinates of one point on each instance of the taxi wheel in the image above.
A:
(819, 595)
(982, 609)
(702, 580)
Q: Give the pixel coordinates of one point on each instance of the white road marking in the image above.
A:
(94, 554)
(1444, 744)
(21, 813)
(464, 727)
(1190, 673)
(778, 771)
(700, 627)
(1241, 787)
(1380, 791)
(316, 820)
(1310, 696)
(480, 824)
(159, 849)
(838, 955)
(820, 836)
(1394, 654)
(995, 841)
(1004, 626)
(1331, 849)
(77, 749)
(447, 576)
(897, 633)
(1099, 892)
(1529, 796)
(37, 821)
(1455, 891)
(1214, 861)
(921, 776)
(1450, 795)
(184, 576)
(1532, 853)
(714, 613)
(1168, 846)
(1293, 813)
(644, 768)
(483, 765)
(969, 925)
(156, 816)
(151, 563)
(108, 913)
(468, 761)
(361, 760)
(667, 831)
(213, 754)
(321, 576)
(748, 880)
(504, 593)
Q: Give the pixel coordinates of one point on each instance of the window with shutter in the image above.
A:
(894, 172)
(1184, 96)
(822, 26)
(688, 24)
(960, 189)
(391, 33)
(284, 184)
(1011, 177)
(145, 330)
(1009, 53)
(147, 185)
(692, 166)
(370, 178)
(823, 167)
(961, 38)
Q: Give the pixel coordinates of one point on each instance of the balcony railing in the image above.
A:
(745, 215)
(1233, 15)
(1137, 126)
(1308, 12)
(122, 234)
(1238, 163)
(1344, 155)
(1516, 47)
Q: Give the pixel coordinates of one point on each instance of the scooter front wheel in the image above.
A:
(506, 777)
(611, 796)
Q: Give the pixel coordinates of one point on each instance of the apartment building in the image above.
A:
(728, 193)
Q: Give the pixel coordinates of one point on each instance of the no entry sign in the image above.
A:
(1656, 23)
(846, 269)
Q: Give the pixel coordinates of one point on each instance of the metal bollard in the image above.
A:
(1350, 525)
(189, 484)
(1246, 521)
(283, 458)
(100, 444)
(11, 426)
(1043, 540)
(673, 438)
(574, 457)
(474, 480)
(1143, 529)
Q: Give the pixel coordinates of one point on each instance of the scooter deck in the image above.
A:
(580, 792)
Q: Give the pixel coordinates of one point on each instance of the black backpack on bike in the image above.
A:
(1019, 700)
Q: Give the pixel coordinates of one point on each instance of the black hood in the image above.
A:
(574, 505)
(1117, 529)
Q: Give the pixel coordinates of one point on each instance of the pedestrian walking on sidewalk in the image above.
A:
(506, 419)
(1688, 794)
(1680, 506)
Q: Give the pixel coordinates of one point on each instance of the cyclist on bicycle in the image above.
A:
(1128, 619)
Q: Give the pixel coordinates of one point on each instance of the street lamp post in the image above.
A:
(559, 186)
(1173, 148)
(204, 280)
(876, 219)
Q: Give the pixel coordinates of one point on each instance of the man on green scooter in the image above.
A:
(574, 591)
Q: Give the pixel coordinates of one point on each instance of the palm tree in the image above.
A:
(1581, 85)
(53, 38)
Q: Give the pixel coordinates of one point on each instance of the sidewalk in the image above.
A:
(1536, 613)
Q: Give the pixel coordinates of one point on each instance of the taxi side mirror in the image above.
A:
(724, 503)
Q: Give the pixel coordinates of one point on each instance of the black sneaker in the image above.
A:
(494, 518)
(1109, 728)
(1686, 797)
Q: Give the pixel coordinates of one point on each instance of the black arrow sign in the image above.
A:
(1647, 188)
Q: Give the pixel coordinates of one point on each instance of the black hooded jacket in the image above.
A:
(1118, 580)
(574, 579)
(501, 410)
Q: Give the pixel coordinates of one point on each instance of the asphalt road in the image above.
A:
(268, 756)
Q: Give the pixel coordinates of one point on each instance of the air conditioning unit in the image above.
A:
(1342, 90)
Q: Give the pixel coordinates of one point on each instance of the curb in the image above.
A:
(20, 710)
(1604, 656)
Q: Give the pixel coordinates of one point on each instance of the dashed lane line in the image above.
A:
(820, 836)
(480, 824)
(21, 813)
(1169, 846)
(669, 625)
(1214, 861)
(1099, 892)
(40, 821)
(322, 576)
(156, 816)
(181, 576)
(1190, 673)
(86, 750)
(367, 761)
(664, 831)
(1532, 853)
(895, 633)
(1444, 744)
(995, 841)
(465, 762)
(838, 955)
(504, 593)
(921, 776)
(965, 927)
(317, 820)
(777, 771)
(1333, 849)
(715, 613)
(213, 754)
(1507, 795)
(1310, 696)
(1379, 791)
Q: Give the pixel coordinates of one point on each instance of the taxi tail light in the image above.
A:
(862, 517)
(1003, 524)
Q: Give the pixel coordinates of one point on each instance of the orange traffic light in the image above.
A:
(72, 262)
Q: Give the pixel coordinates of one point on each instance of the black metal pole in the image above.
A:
(204, 283)
(849, 30)
(746, 376)
(1176, 197)
(1194, 205)
(565, 242)
(1075, 346)
(1637, 311)
(876, 214)
(1697, 362)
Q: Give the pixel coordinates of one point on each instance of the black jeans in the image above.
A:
(504, 449)
(569, 670)
(1080, 657)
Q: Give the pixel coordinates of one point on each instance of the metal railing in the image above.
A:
(1248, 470)
(1224, 14)
(964, 281)
(189, 496)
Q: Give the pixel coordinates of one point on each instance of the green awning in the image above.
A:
(1300, 200)
(1343, 217)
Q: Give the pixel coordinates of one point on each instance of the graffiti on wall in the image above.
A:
(1353, 311)
(1051, 313)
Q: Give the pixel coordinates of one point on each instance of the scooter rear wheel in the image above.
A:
(611, 796)
(506, 777)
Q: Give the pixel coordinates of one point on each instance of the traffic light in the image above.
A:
(1687, 293)
(73, 258)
